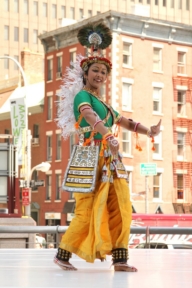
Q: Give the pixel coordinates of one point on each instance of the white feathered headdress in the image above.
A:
(72, 84)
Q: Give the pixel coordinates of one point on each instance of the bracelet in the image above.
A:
(136, 125)
(107, 135)
(97, 122)
(113, 141)
(149, 133)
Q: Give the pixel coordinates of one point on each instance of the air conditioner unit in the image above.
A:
(58, 75)
(35, 141)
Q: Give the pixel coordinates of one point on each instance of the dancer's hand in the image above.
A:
(154, 130)
(113, 145)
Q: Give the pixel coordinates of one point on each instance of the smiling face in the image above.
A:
(97, 74)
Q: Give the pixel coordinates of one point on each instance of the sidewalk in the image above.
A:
(34, 268)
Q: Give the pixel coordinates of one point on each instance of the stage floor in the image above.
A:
(34, 268)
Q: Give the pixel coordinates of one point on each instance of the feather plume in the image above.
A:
(72, 84)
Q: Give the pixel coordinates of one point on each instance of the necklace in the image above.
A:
(94, 93)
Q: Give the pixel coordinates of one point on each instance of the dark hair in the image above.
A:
(86, 72)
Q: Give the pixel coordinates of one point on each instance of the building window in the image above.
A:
(44, 9)
(157, 95)
(148, 1)
(71, 142)
(63, 11)
(181, 67)
(181, 103)
(180, 144)
(89, 13)
(59, 66)
(80, 13)
(58, 186)
(15, 65)
(157, 59)
(164, 3)
(7, 131)
(126, 142)
(54, 11)
(49, 69)
(26, 35)
(35, 36)
(6, 32)
(6, 5)
(180, 186)
(157, 154)
(49, 108)
(6, 62)
(172, 3)
(49, 148)
(179, 4)
(58, 147)
(35, 179)
(72, 12)
(127, 54)
(126, 96)
(35, 8)
(48, 187)
(72, 58)
(187, 5)
(156, 185)
(16, 34)
(16, 6)
(26, 7)
(35, 131)
(103, 92)
(156, 2)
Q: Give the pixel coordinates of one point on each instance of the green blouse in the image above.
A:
(100, 107)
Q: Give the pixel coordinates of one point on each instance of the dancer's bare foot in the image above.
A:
(124, 267)
(65, 265)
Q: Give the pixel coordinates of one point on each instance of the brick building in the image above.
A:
(150, 80)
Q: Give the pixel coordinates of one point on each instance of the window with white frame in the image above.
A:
(126, 96)
(157, 186)
(179, 4)
(126, 142)
(6, 5)
(187, 5)
(80, 13)
(54, 11)
(59, 65)
(35, 8)
(48, 187)
(180, 186)
(156, 2)
(58, 146)
(72, 12)
(16, 34)
(157, 96)
(44, 9)
(58, 187)
(26, 35)
(49, 69)
(172, 3)
(63, 11)
(164, 3)
(6, 32)
(181, 103)
(49, 147)
(157, 59)
(72, 58)
(35, 36)
(26, 7)
(89, 13)
(181, 63)
(6, 62)
(127, 54)
(180, 144)
(15, 65)
(16, 6)
(103, 92)
(157, 154)
(49, 107)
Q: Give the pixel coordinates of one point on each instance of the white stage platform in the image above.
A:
(34, 268)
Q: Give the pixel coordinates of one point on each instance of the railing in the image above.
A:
(61, 229)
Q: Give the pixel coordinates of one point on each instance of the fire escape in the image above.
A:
(182, 134)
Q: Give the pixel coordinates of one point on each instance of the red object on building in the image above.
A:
(25, 196)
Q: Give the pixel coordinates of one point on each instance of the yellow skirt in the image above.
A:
(102, 220)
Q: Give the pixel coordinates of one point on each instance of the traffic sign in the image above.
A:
(148, 169)
(25, 196)
(39, 183)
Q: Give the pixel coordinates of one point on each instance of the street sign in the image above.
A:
(25, 196)
(39, 183)
(148, 169)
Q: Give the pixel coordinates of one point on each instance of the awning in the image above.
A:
(69, 207)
